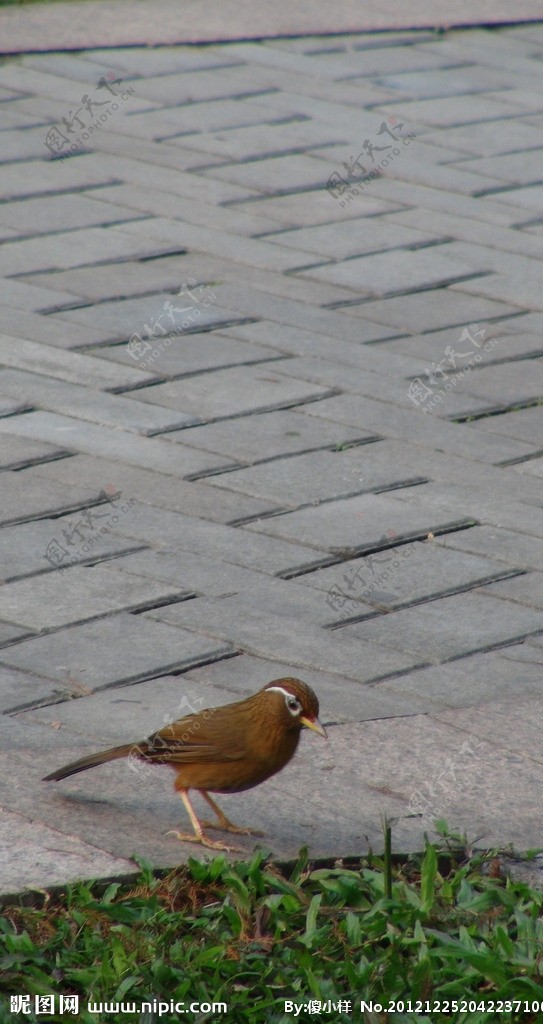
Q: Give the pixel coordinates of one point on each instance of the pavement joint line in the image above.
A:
(68, 231)
(291, 119)
(51, 192)
(332, 262)
(488, 320)
(275, 407)
(337, 446)
(18, 412)
(129, 609)
(261, 157)
(499, 410)
(498, 646)
(461, 588)
(55, 514)
(365, 216)
(496, 190)
(37, 460)
(394, 485)
(91, 561)
(363, 550)
(400, 292)
(280, 358)
(537, 454)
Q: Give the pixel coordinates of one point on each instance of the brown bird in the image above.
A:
(223, 750)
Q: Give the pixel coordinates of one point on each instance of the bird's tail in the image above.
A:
(91, 760)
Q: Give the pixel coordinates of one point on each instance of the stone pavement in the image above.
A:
(270, 403)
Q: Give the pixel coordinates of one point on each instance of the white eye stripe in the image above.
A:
(288, 697)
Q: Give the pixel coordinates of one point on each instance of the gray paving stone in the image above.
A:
(275, 175)
(453, 110)
(409, 573)
(323, 475)
(18, 452)
(24, 547)
(149, 453)
(462, 439)
(33, 327)
(510, 725)
(351, 524)
(143, 60)
(423, 169)
(24, 298)
(297, 341)
(137, 198)
(194, 353)
(10, 633)
(60, 213)
(189, 533)
(285, 599)
(451, 627)
(301, 315)
(513, 289)
(476, 680)
(118, 320)
(268, 435)
(113, 651)
(535, 468)
(351, 238)
(466, 229)
(304, 209)
(431, 311)
(35, 855)
(526, 589)
(152, 487)
(10, 406)
(431, 346)
(40, 498)
(207, 576)
(69, 366)
(79, 594)
(256, 631)
(34, 177)
(88, 404)
(232, 392)
(24, 689)
(162, 232)
(254, 141)
(524, 424)
(507, 384)
(78, 248)
(474, 492)
(370, 382)
(386, 273)
(410, 194)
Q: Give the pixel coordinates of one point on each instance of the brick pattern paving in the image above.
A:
(270, 401)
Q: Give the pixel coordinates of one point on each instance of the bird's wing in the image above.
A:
(197, 738)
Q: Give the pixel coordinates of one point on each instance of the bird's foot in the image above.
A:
(203, 840)
(225, 825)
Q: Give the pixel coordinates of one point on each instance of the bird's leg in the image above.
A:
(223, 822)
(199, 835)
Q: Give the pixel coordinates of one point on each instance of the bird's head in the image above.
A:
(297, 704)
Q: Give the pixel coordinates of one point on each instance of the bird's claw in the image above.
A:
(203, 840)
(225, 825)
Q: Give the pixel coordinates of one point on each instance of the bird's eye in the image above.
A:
(293, 704)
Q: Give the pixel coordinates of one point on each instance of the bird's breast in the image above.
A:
(260, 761)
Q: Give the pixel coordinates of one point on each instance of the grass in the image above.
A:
(253, 935)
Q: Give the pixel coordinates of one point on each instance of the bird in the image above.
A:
(225, 749)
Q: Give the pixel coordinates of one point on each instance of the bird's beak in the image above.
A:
(315, 725)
